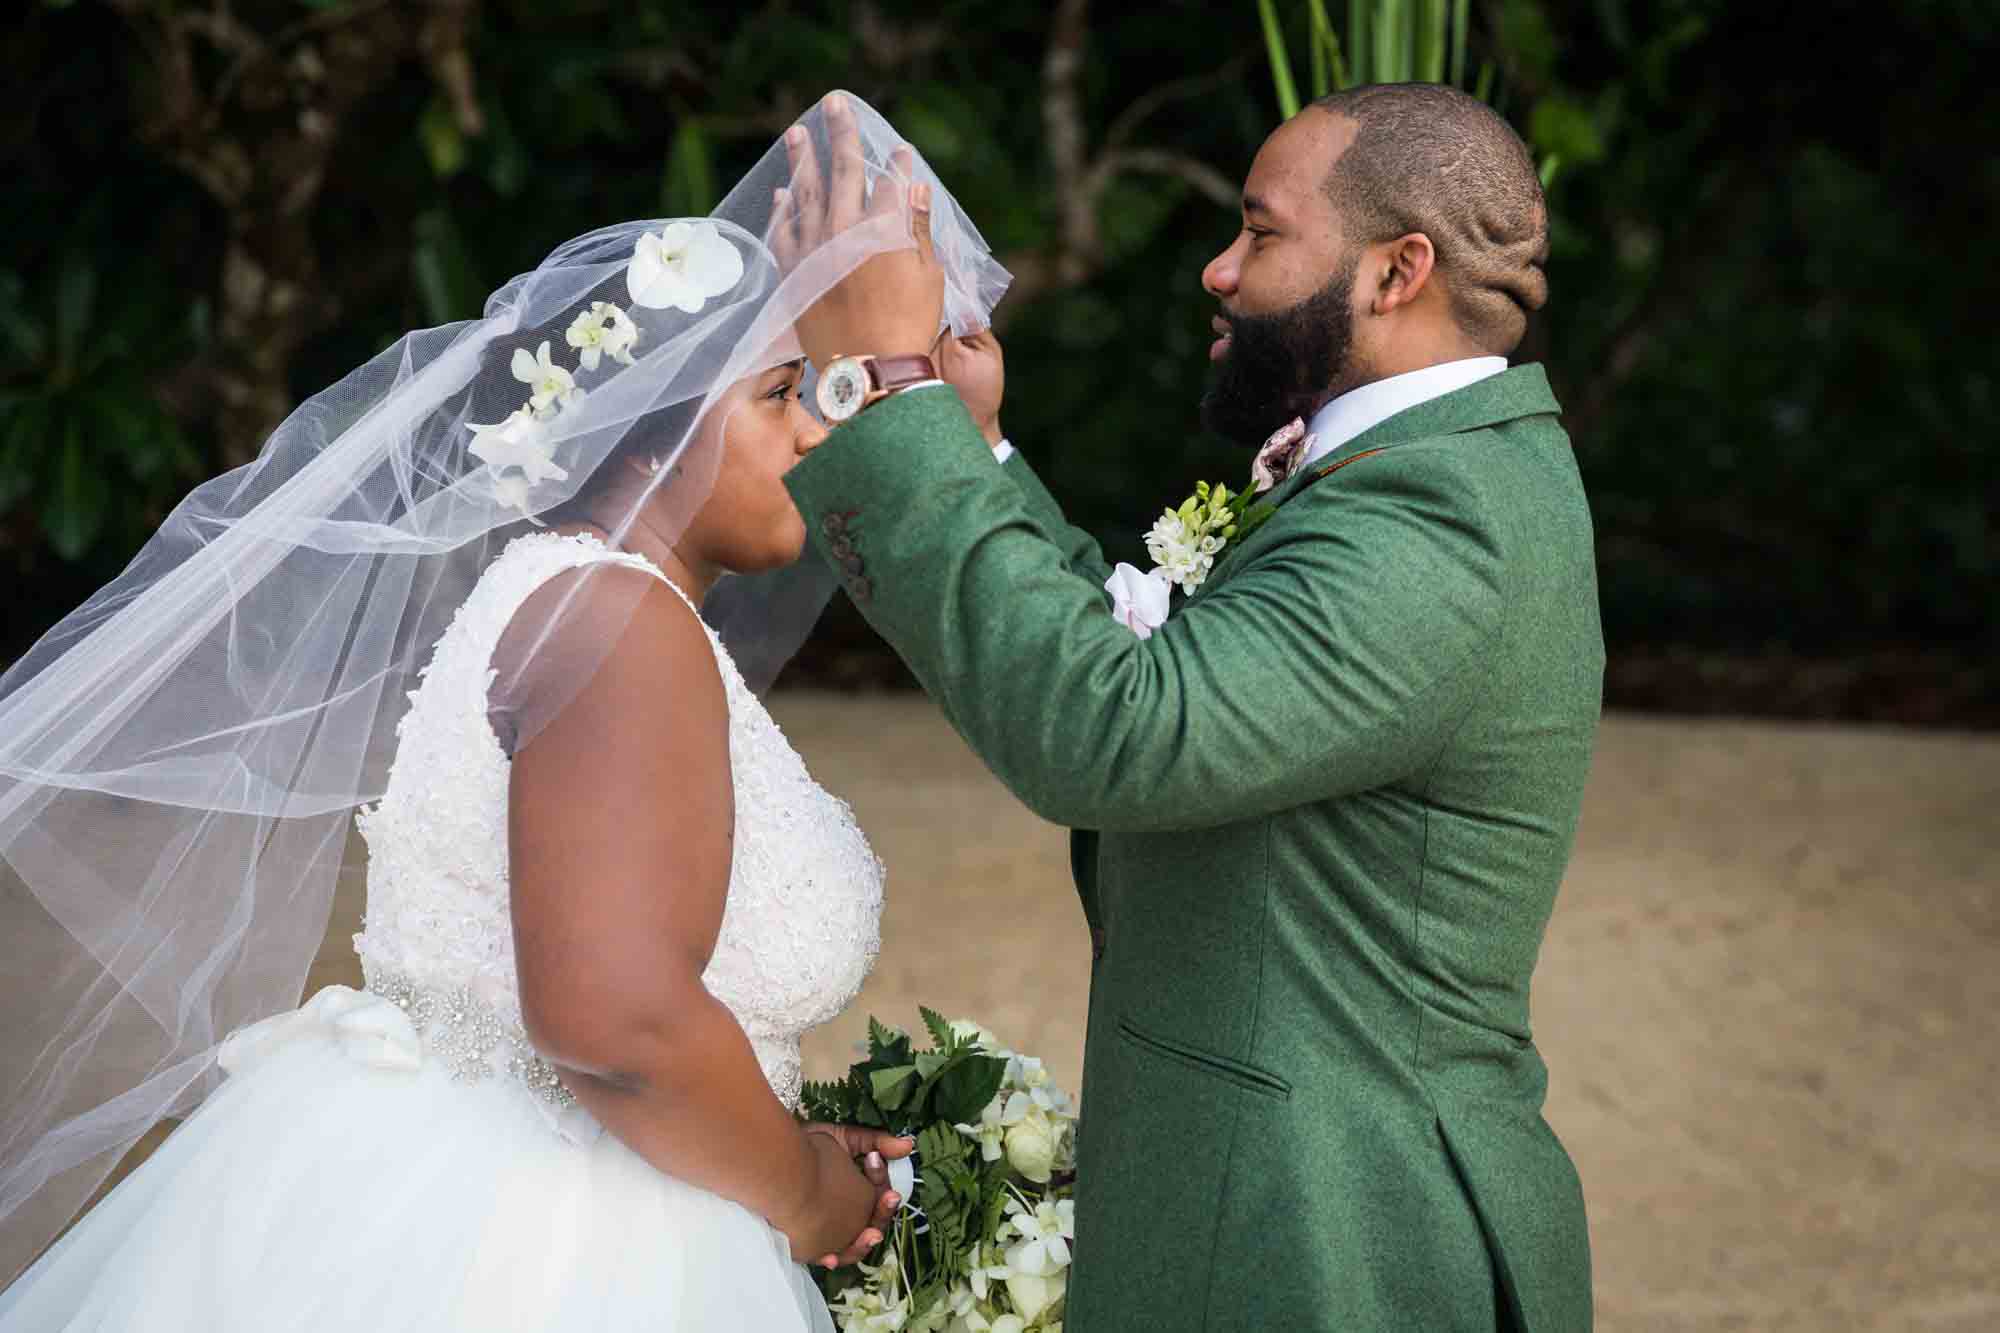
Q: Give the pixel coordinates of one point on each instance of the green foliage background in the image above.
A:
(1772, 274)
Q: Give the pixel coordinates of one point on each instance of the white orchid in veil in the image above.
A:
(683, 266)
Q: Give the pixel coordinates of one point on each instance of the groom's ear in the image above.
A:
(1396, 272)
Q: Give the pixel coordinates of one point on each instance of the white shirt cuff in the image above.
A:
(1003, 451)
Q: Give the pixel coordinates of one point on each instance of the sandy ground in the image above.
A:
(1766, 998)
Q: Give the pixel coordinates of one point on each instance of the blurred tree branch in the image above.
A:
(1081, 180)
(258, 138)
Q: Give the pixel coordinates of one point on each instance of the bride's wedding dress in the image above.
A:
(399, 1158)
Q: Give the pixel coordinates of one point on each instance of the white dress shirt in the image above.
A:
(1371, 404)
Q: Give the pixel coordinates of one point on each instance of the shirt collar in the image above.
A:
(1359, 409)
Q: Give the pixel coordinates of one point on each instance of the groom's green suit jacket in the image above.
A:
(1322, 814)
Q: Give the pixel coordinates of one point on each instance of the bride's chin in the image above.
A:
(775, 551)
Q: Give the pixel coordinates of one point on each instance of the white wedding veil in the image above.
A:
(180, 758)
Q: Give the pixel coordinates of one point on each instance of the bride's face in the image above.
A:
(748, 522)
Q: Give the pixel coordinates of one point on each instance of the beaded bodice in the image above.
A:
(800, 927)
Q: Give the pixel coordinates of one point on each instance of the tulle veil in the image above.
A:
(181, 757)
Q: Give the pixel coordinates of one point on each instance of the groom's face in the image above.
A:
(1286, 284)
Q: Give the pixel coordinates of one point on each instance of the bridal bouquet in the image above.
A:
(982, 1244)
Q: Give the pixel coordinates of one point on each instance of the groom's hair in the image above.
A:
(1429, 158)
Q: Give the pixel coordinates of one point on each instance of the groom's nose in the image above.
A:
(1219, 278)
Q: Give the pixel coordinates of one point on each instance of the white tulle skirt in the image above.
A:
(317, 1191)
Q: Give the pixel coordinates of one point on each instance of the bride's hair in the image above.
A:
(181, 757)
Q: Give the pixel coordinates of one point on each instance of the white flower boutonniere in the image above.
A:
(1186, 543)
(1139, 598)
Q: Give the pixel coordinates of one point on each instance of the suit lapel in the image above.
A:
(1520, 391)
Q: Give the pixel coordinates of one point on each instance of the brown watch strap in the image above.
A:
(891, 373)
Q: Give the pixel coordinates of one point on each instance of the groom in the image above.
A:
(1321, 812)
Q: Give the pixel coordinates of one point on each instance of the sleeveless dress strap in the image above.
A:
(465, 654)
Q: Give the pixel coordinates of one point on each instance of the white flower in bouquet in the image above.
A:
(1045, 1229)
(1026, 1076)
(988, 1265)
(967, 1311)
(966, 1029)
(878, 1304)
(1032, 1141)
(991, 1131)
(1030, 1295)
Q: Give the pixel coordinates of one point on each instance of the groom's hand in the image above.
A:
(872, 1150)
(890, 305)
(975, 367)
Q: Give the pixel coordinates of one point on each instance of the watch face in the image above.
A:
(843, 387)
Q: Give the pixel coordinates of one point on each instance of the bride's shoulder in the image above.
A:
(603, 629)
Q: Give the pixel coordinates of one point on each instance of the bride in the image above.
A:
(459, 592)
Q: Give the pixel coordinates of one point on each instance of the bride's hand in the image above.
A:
(872, 1150)
(890, 305)
(835, 1221)
(975, 367)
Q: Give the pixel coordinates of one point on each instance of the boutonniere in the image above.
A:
(1186, 542)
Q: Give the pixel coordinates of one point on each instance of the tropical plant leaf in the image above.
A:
(1281, 60)
(76, 293)
(687, 188)
(964, 1090)
(892, 1087)
(939, 1027)
(73, 511)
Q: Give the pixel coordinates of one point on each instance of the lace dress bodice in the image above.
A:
(800, 928)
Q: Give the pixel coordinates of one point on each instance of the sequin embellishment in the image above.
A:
(470, 1037)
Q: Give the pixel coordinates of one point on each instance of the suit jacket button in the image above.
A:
(833, 525)
(840, 548)
(852, 563)
(860, 590)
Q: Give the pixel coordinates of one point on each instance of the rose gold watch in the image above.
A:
(850, 383)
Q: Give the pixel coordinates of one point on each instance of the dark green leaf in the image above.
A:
(964, 1090)
(1564, 128)
(73, 512)
(892, 1087)
(76, 292)
(687, 188)
(445, 280)
(21, 450)
(24, 338)
(444, 144)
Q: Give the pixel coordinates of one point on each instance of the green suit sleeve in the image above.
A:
(1341, 650)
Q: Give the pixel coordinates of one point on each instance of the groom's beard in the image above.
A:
(1284, 365)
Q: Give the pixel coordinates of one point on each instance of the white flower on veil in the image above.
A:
(682, 266)
(512, 492)
(518, 441)
(552, 387)
(603, 330)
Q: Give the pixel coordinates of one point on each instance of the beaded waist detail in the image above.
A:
(469, 1036)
